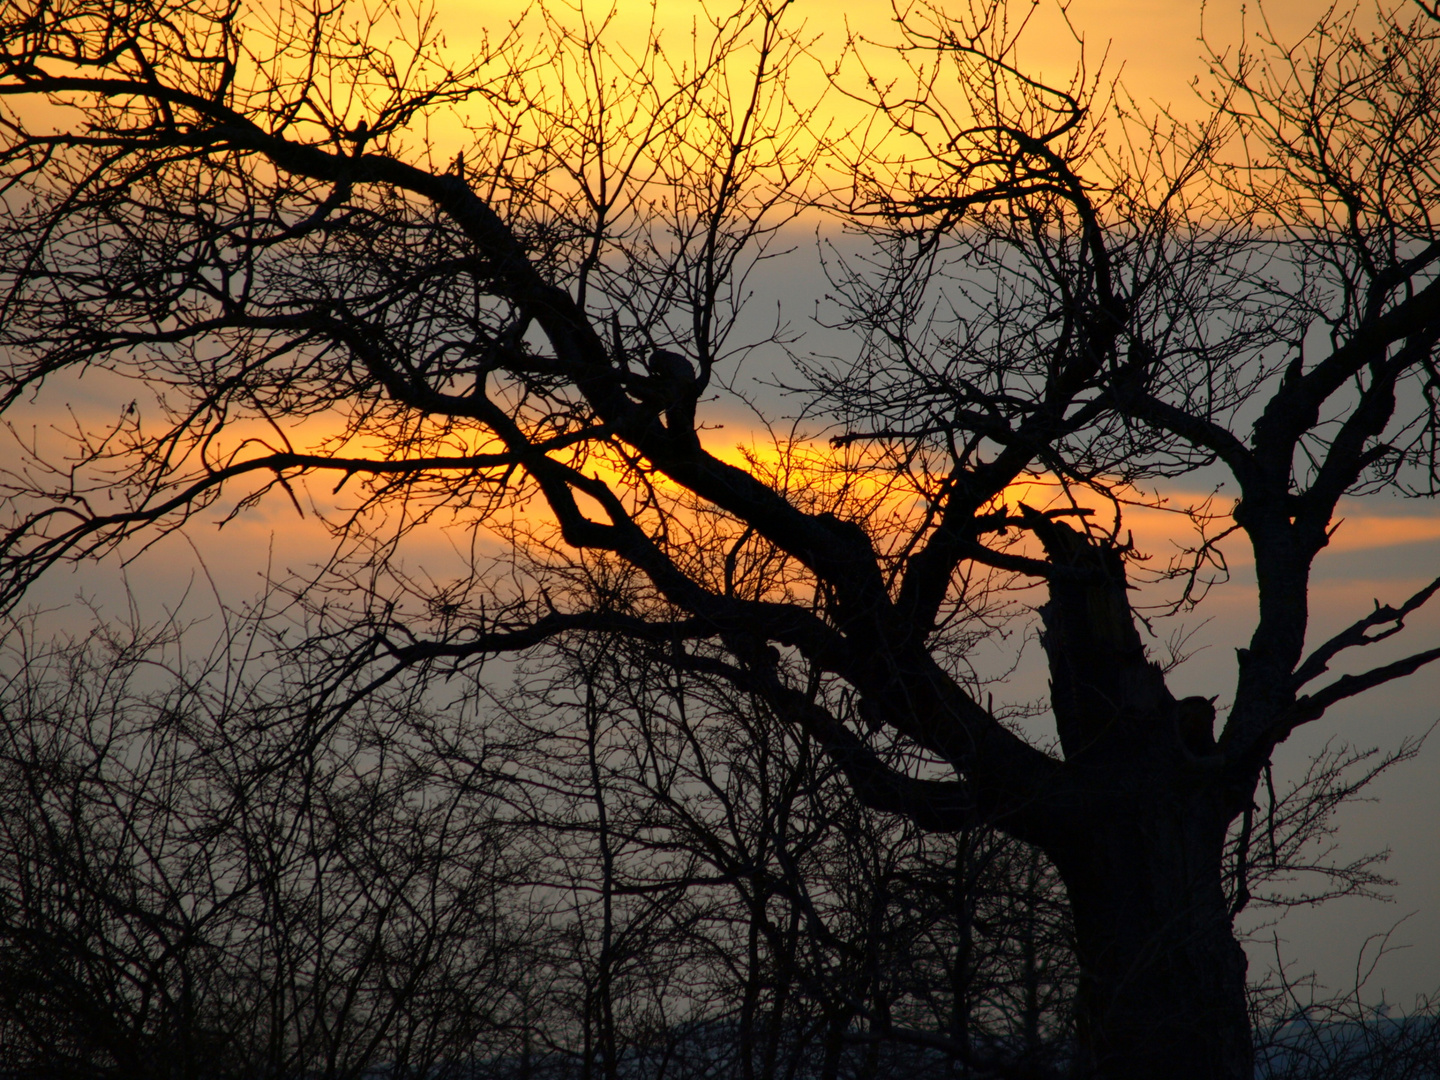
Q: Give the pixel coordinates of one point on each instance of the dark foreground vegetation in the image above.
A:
(597, 875)
(762, 781)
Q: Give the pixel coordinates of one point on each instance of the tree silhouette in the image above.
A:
(233, 216)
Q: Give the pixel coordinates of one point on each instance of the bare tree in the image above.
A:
(233, 217)
(1301, 1032)
(609, 871)
(193, 885)
(719, 866)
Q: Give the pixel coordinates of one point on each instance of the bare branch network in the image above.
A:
(235, 218)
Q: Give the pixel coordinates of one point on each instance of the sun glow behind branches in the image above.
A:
(1153, 47)
(817, 93)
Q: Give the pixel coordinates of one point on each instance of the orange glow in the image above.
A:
(1154, 46)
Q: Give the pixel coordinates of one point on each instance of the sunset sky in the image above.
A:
(1382, 551)
(1154, 45)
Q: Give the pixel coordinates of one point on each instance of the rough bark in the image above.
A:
(1162, 977)
(1162, 989)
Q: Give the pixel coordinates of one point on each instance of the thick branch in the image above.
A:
(1311, 707)
(1358, 634)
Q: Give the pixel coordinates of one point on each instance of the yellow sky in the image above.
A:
(1154, 44)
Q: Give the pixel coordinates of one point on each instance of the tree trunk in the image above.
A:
(1162, 979)
(1162, 984)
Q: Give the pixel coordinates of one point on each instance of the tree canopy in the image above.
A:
(234, 211)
